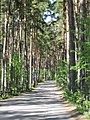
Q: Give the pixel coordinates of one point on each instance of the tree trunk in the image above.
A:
(71, 75)
(64, 31)
(68, 47)
(82, 39)
(25, 38)
(3, 80)
(30, 76)
(72, 45)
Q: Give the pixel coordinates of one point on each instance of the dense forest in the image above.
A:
(33, 49)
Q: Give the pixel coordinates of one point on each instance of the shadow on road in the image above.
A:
(43, 103)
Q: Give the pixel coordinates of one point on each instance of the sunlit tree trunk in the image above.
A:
(25, 39)
(5, 48)
(77, 57)
(30, 62)
(71, 76)
(39, 66)
(68, 46)
(82, 39)
(1, 52)
(45, 67)
(64, 31)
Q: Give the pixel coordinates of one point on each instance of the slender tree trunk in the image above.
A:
(25, 38)
(30, 76)
(82, 38)
(64, 31)
(3, 80)
(72, 44)
(38, 69)
(68, 47)
(77, 57)
(71, 76)
(1, 52)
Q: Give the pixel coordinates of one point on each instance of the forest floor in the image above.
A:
(45, 102)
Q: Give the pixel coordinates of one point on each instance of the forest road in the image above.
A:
(44, 103)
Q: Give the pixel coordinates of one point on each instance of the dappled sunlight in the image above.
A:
(45, 102)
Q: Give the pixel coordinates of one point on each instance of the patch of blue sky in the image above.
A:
(52, 1)
(48, 13)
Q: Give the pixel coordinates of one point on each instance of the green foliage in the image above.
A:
(61, 74)
(17, 66)
(79, 100)
(80, 97)
(4, 96)
(43, 74)
(16, 72)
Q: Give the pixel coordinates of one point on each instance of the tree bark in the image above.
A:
(25, 38)
(68, 47)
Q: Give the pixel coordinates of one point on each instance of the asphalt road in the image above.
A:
(43, 103)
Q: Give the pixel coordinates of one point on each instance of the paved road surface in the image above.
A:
(43, 103)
